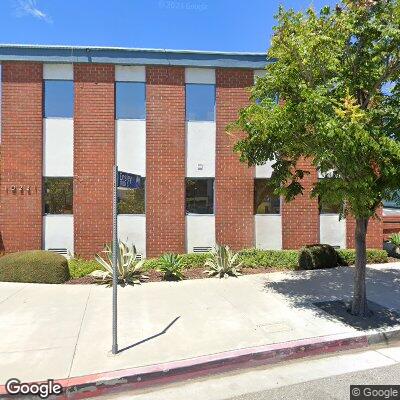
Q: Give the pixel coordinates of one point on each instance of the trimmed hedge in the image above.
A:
(374, 256)
(79, 268)
(318, 256)
(191, 260)
(37, 266)
(255, 258)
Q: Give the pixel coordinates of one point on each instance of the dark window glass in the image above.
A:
(58, 195)
(130, 100)
(329, 208)
(200, 102)
(131, 201)
(58, 99)
(265, 201)
(199, 196)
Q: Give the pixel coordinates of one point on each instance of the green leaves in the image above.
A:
(331, 69)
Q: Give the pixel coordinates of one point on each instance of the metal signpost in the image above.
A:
(127, 181)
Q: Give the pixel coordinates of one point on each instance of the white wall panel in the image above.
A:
(264, 171)
(58, 71)
(200, 75)
(59, 232)
(268, 232)
(130, 73)
(200, 231)
(200, 149)
(391, 211)
(132, 229)
(58, 147)
(259, 73)
(332, 231)
(131, 146)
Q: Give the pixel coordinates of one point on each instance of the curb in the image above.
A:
(160, 374)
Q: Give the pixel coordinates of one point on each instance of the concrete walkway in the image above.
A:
(61, 331)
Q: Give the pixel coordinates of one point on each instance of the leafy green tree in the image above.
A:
(337, 74)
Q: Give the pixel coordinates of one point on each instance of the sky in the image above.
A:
(214, 25)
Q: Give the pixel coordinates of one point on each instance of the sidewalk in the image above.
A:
(62, 331)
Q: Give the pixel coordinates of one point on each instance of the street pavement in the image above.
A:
(326, 378)
(60, 331)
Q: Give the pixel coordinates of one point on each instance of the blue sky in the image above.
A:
(226, 25)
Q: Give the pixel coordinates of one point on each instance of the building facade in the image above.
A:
(68, 115)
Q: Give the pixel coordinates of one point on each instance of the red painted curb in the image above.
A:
(142, 377)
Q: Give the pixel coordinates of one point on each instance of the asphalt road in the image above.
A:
(333, 388)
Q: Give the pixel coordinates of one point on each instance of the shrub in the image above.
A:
(171, 266)
(191, 260)
(79, 267)
(318, 256)
(130, 272)
(35, 266)
(222, 262)
(395, 239)
(374, 256)
(256, 258)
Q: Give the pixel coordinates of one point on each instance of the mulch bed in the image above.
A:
(192, 273)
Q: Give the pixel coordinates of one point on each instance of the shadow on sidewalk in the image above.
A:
(318, 289)
(150, 337)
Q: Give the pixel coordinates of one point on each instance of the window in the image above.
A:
(394, 203)
(58, 195)
(265, 201)
(130, 100)
(131, 201)
(199, 196)
(200, 102)
(58, 99)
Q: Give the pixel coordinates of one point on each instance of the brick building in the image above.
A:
(68, 114)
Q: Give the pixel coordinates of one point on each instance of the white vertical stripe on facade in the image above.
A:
(132, 230)
(200, 231)
(131, 146)
(130, 73)
(59, 232)
(200, 149)
(58, 143)
(200, 75)
(58, 71)
(265, 170)
(268, 232)
(332, 230)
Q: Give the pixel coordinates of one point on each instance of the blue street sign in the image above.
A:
(128, 181)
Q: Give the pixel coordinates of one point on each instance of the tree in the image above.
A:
(337, 73)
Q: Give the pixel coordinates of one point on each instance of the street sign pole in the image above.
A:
(114, 263)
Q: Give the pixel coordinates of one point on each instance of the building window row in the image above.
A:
(130, 100)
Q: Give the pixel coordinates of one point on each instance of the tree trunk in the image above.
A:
(359, 305)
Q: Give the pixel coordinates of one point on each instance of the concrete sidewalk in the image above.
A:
(61, 331)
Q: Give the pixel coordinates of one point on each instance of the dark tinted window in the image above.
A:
(199, 196)
(131, 201)
(58, 195)
(58, 99)
(265, 201)
(200, 102)
(130, 100)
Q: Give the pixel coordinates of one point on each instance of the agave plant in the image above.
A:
(171, 266)
(395, 240)
(222, 262)
(130, 271)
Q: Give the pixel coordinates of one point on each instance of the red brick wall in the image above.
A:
(374, 232)
(300, 217)
(94, 150)
(165, 160)
(21, 156)
(234, 181)
(391, 224)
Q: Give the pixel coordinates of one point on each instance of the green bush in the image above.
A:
(318, 256)
(35, 266)
(255, 258)
(374, 256)
(191, 260)
(79, 268)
